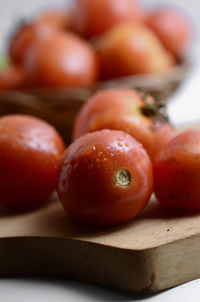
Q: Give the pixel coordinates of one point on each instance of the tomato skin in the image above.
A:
(56, 18)
(25, 38)
(29, 153)
(87, 183)
(64, 60)
(172, 28)
(163, 133)
(92, 18)
(176, 172)
(120, 109)
(126, 50)
(12, 77)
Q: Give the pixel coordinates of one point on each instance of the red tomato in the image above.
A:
(127, 50)
(176, 172)
(119, 110)
(92, 18)
(24, 38)
(56, 18)
(64, 60)
(163, 133)
(105, 178)
(12, 77)
(172, 28)
(29, 153)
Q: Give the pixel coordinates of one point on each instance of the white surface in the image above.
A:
(185, 107)
(59, 290)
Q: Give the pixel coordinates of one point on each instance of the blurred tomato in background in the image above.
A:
(172, 28)
(63, 60)
(88, 41)
(92, 18)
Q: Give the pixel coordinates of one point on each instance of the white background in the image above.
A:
(184, 107)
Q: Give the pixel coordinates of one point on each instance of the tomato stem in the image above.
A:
(154, 109)
(123, 177)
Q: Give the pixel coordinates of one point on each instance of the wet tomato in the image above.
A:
(64, 60)
(120, 110)
(30, 150)
(127, 50)
(12, 77)
(92, 18)
(24, 38)
(172, 28)
(176, 172)
(105, 178)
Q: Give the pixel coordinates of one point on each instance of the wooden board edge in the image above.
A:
(176, 263)
(131, 271)
(119, 269)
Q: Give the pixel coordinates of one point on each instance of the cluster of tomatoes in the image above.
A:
(120, 154)
(92, 41)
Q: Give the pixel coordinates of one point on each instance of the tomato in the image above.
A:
(127, 50)
(120, 109)
(163, 133)
(92, 18)
(30, 150)
(172, 28)
(24, 38)
(64, 60)
(56, 18)
(12, 77)
(176, 172)
(105, 178)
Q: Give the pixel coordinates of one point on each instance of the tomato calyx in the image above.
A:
(154, 109)
(123, 178)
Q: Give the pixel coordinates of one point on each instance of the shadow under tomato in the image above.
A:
(8, 211)
(57, 222)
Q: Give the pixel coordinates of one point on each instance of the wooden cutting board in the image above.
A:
(157, 250)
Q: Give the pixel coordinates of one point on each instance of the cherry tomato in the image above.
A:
(12, 77)
(105, 178)
(25, 37)
(64, 60)
(127, 50)
(163, 133)
(56, 18)
(30, 150)
(92, 18)
(120, 110)
(176, 172)
(172, 28)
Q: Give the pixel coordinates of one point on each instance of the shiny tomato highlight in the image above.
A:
(105, 178)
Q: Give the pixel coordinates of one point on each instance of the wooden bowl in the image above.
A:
(60, 106)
